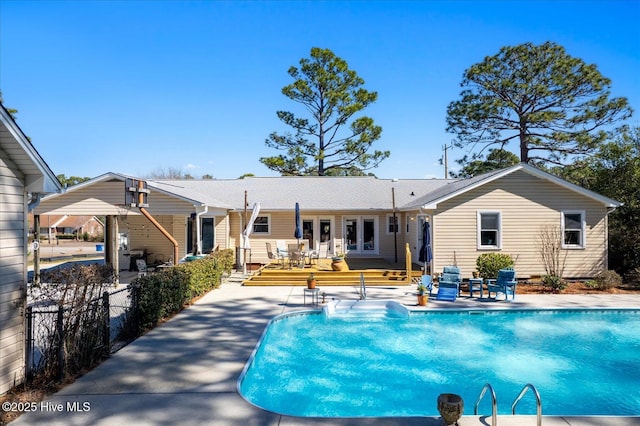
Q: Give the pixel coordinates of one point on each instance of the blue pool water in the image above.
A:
(583, 362)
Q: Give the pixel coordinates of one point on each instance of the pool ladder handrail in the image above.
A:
(363, 287)
(538, 402)
(494, 403)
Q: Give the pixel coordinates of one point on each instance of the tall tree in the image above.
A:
(614, 171)
(325, 143)
(496, 159)
(71, 180)
(12, 111)
(168, 173)
(554, 105)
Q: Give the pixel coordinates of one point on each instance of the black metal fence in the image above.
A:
(63, 339)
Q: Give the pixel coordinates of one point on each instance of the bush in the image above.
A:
(488, 264)
(165, 293)
(65, 236)
(607, 279)
(554, 283)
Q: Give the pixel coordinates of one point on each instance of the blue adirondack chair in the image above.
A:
(449, 284)
(505, 283)
(427, 283)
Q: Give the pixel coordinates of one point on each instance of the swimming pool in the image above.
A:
(583, 362)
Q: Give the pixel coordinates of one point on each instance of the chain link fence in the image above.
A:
(71, 327)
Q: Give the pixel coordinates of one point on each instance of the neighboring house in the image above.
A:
(503, 211)
(24, 176)
(53, 225)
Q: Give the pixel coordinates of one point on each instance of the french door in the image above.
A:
(317, 230)
(360, 236)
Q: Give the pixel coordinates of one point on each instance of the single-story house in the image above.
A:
(24, 178)
(503, 211)
(51, 226)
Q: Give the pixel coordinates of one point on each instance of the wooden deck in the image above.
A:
(376, 272)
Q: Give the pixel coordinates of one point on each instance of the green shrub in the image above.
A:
(591, 284)
(607, 279)
(65, 236)
(226, 260)
(164, 293)
(488, 264)
(554, 283)
(202, 275)
(160, 295)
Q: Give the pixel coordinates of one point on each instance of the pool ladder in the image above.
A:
(494, 403)
(363, 288)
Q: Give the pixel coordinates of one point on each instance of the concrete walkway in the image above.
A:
(185, 371)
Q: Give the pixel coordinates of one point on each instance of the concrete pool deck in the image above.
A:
(185, 371)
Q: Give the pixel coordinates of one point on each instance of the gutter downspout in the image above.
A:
(157, 224)
(35, 201)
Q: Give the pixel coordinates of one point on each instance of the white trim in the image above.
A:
(583, 227)
(388, 222)
(480, 246)
(268, 216)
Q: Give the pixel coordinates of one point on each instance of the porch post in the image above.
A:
(111, 246)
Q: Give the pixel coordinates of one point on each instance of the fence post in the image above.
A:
(135, 297)
(60, 333)
(29, 344)
(106, 331)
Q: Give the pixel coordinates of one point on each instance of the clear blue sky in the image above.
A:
(134, 86)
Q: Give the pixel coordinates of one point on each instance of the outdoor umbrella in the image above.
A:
(425, 250)
(298, 232)
(245, 244)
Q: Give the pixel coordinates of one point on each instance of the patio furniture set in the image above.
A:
(450, 280)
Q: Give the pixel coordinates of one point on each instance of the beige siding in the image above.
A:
(12, 274)
(101, 198)
(221, 232)
(526, 204)
(282, 228)
(143, 235)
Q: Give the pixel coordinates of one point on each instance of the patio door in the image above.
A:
(316, 230)
(308, 233)
(360, 236)
(207, 235)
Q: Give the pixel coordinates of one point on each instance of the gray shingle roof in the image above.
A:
(312, 192)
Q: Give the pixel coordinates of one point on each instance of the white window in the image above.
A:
(262, 225)
(573, 229)
(489, 230)
(390, 224)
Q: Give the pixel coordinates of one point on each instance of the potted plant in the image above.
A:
(338, 263)
(311, 281)
(422, 297)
